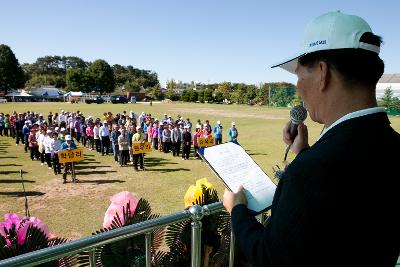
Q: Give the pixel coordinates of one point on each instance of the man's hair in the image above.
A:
(355, 66)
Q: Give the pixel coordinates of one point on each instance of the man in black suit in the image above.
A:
(337, 203)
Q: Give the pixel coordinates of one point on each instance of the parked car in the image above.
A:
(3, 100)
(95, 100)
(119, 99)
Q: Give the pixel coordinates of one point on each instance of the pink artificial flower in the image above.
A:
(118, 202)
(21, 226)
(10, 219)
(34, 222)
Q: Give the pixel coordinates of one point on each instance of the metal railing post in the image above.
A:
(148, 249)
(232, 250)
(92, 259)
(196, 213)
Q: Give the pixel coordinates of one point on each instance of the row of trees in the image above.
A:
(275, 94)
(75, 74)
(71, 73)
(392, 104)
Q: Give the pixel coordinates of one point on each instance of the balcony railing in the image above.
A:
(196, 213)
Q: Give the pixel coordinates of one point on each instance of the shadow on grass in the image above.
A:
(100, 181)
(21, 193)
(10, 172)
(87, 162)
(11, 157)
(151, 162)
(9, 181)
(163, 170)
(11, 164)
(92, 172)
(90, 167)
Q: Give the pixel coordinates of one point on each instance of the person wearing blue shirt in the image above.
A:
(218, 133)
(67, 145)
(25, 132)
(233, 133)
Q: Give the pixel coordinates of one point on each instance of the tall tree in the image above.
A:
(103, 76)
(144, 78)
(282, 94)
(155, 92)
(387, 97)
(171, 84)
(208, 97)
(50, 65)
(225, 89)
(78, 80)
(194, 96)
(73, 62)
(132, 87)
(11, 73)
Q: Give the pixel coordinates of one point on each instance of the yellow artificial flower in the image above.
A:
(196, 191)
(205, 182)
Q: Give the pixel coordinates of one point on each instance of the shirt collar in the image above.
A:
(352, 115)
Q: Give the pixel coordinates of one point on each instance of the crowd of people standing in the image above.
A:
(44, 136)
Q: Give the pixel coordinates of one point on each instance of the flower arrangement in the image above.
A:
(126, 209)
(215, 231)
(118, 203)
(195, 192)
(22, 235)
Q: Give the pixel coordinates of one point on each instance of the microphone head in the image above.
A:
(298, 114)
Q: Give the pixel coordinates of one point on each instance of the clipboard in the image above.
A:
(239, 168)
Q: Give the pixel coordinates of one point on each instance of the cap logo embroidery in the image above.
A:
(317, 43)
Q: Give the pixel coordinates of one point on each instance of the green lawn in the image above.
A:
(76, 210)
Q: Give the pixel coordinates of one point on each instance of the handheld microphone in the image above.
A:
(298, 114)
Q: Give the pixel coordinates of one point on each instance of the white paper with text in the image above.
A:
(235, 167)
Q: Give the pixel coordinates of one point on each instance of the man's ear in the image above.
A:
(324, 75)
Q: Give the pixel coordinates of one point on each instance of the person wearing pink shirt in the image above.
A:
(196, 135)
(149, 131)
(155, 135)
(90, 135)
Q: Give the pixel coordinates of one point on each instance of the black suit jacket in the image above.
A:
(337, 203)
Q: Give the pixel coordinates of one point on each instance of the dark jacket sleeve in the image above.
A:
(280, 241)
(251, 236)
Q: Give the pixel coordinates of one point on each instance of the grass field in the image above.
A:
(77, 210)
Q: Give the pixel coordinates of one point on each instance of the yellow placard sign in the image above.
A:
(70, 155)
(139, 147)
(205, 141)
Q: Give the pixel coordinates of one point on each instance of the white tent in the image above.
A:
(18, 94)
(74, 94)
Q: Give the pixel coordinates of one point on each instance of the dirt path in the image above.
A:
(230, 113)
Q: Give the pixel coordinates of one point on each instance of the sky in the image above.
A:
(205, 41)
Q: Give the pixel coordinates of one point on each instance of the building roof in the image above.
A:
(46, 92)
(390, 78)
(18, 94)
